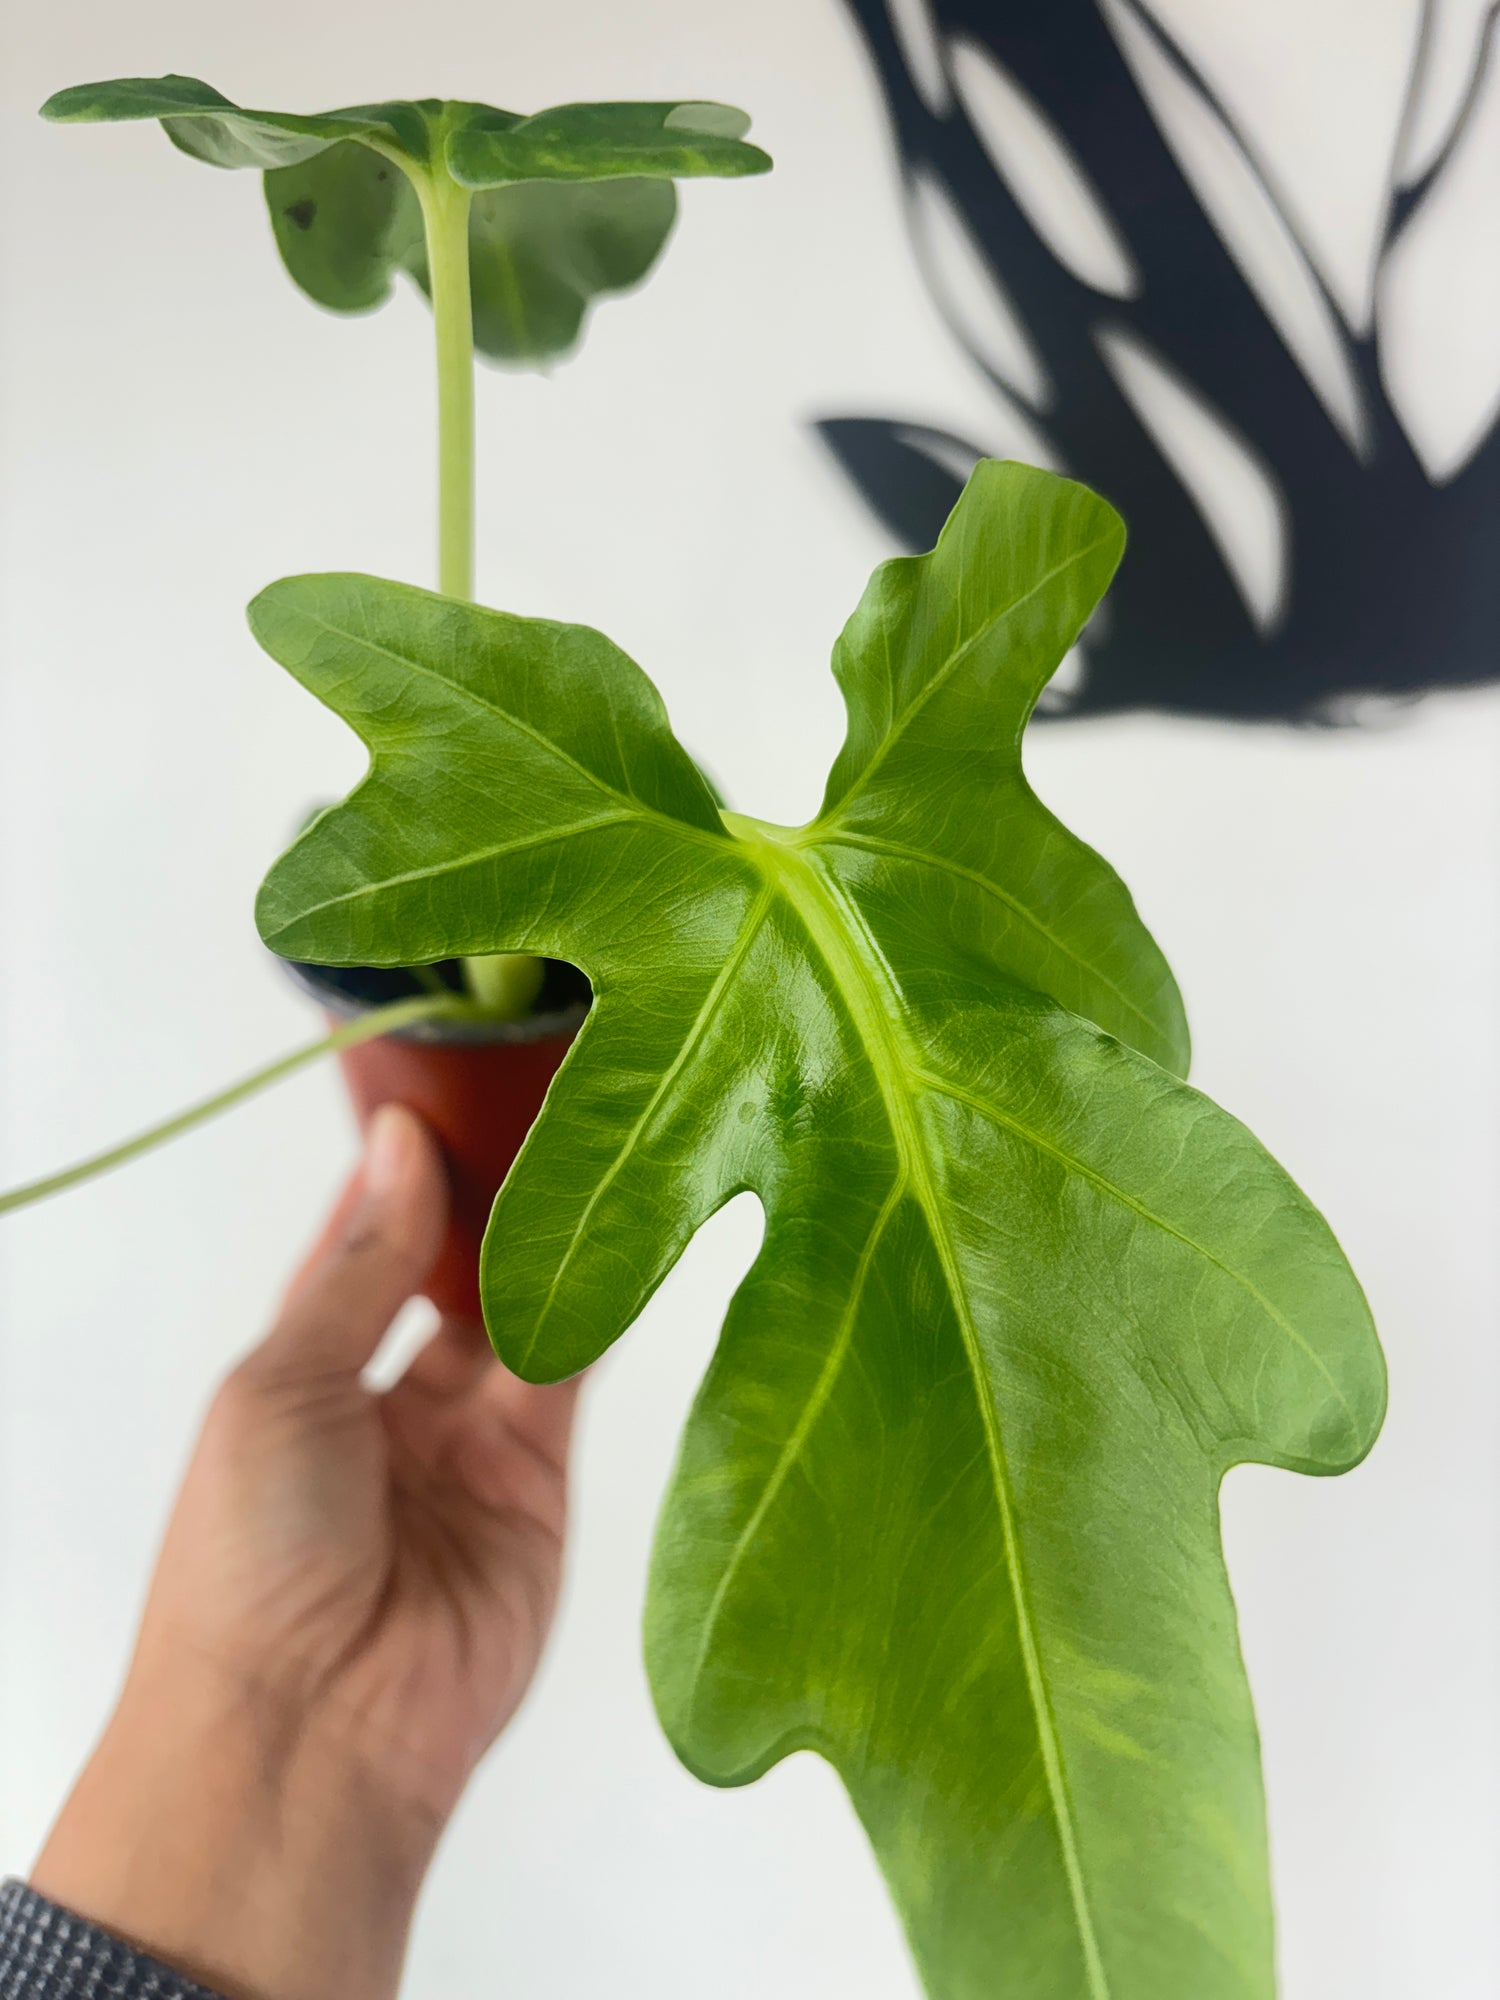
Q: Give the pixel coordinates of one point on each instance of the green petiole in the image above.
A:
(506, 983)
(445, 218)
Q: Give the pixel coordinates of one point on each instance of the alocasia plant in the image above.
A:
(946, 1508)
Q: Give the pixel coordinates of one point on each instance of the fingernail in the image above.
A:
(385, 1145)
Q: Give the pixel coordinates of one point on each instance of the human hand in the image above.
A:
(350, 1601)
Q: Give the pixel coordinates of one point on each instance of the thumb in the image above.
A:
(376, 1248)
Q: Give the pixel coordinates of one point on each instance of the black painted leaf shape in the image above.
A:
(1393, 587)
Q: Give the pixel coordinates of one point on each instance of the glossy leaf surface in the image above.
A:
(946, 1508)
(569, 205)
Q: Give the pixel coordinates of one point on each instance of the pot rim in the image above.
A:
(316, 982)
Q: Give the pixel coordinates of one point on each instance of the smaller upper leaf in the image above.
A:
(480, 146)
(568, 204)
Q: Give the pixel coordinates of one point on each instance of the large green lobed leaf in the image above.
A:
(946, 1507)
(569, 205)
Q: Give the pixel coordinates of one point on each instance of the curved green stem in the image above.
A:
(378, 1021)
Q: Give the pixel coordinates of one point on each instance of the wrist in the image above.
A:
(242, 1844)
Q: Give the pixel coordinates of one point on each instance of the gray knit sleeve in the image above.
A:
(46, 1953)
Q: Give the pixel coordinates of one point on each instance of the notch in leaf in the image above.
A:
(564, 206)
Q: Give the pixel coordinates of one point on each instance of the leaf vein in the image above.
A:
(543, 742)
(901, 851)
(468, 860)
(945, 1087)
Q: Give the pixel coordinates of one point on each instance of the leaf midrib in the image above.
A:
(836, 935)
(992, 1112)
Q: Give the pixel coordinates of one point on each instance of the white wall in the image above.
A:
(179, 427)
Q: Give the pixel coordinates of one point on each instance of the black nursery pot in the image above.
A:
(478, 1085)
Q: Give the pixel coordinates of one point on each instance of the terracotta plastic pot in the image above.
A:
(478, 1088)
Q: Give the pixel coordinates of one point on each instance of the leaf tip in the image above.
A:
(274, 920)
(1361, 1416)
(76, 105)
(127, 97)
(260, 612)
(285, 597)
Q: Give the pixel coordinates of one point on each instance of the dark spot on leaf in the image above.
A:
(302, 213)
(384, 174)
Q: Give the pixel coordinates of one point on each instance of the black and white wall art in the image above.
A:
(1299, 426)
